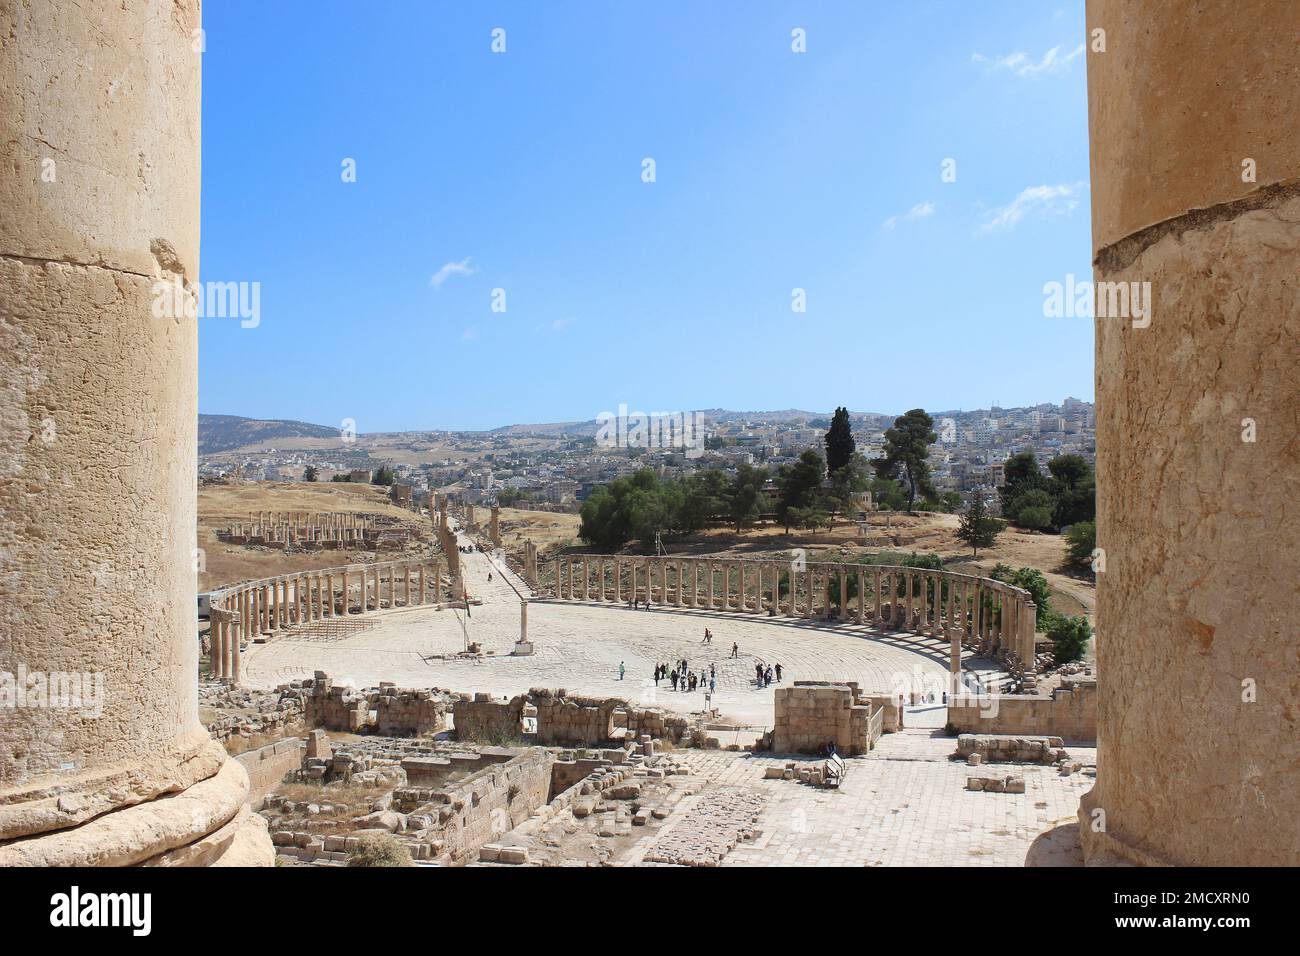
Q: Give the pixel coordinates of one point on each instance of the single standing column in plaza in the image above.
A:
(406, 584)
(710, 587)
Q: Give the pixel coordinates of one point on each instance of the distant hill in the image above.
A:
(224, 432)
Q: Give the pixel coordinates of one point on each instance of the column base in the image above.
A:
(197, 826)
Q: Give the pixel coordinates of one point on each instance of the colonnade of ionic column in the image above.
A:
(987, 616)
(245, 612)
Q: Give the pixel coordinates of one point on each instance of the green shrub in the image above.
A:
(1069, 637)
(1082, 538)
(380, 849)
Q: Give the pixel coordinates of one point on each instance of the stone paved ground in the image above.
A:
(579, 647)
(903, 805)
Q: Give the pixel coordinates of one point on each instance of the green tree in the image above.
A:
(1028, 579)
(1069, 636)
(978, 528)
(847, 485)
(310, 473)
(797, 485)
(840, 445)
(907, 450)
(1033, 509)
(1082, 541)
(384, 476)
(950, 501)
(889, 493)
(1074, 487)
(745, 496)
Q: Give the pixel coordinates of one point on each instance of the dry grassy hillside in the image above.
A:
(219, 505)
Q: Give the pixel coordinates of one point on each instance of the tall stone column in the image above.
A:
(98, 442)
(1195, 159)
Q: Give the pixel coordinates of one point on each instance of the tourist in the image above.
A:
(621, 670)
(673, 678)
(758, 675)
(712, 670)
(767, 677)
(778, 673)
(657, 672)
(712, 684)
(735, 649)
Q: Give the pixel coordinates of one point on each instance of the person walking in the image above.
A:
(778, 673)
(735, 649)
(621, 670)
(673, 679)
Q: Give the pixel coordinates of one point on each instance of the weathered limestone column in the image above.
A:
(1195, 160)
(98, 442)
(420, 583)
(406, 583)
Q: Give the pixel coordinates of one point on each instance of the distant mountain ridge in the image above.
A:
(225, 432)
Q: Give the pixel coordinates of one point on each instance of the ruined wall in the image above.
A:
(464, 816)
(1198, 464)
(267, 766)
(387, 710)
(483, 718)
(1070, 713)
(811, 714)
(565, 720)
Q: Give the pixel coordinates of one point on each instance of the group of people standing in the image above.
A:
(763, 675)
(681, 677)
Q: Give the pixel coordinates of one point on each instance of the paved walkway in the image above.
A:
(579, 647)
(905, 804)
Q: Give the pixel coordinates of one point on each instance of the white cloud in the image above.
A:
(461, 268)
(556, 325)
(1022, 65)
(919, 211)
(1036, 200)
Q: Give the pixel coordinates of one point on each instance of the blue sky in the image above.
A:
(522, 171)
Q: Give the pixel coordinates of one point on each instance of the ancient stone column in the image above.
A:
(421, 585)
(100, 200)
(1195, 160)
